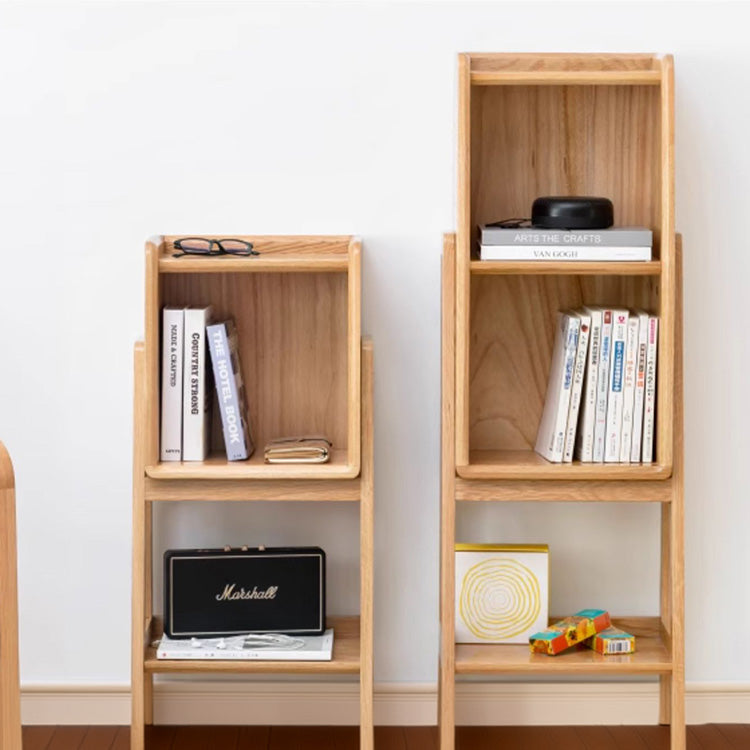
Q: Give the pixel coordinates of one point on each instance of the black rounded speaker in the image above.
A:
(572, 212)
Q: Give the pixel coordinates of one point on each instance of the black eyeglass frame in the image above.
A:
(245, 252)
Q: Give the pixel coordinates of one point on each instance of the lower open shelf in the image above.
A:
(504, 464)
(652, 655)
(217, 467)
(346, 657)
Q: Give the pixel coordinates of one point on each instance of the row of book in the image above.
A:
(522, 243)
(189, 386)
(601, 394)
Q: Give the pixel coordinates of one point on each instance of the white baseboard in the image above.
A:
(397, 704)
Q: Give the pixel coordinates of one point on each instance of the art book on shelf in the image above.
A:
(587, 420)
(616, 386)
(550, 439)
(579, 369)
(649, 406)
(628, 391)
(602, 386)
(535, 244)
(230, 390)
(172, 347)
(196, 395)
(250, 648)
(640, 387)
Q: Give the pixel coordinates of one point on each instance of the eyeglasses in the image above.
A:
(203, 246)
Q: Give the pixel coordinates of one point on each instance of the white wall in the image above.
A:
(124, 120)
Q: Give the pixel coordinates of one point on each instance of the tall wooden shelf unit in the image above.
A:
(307, 371)
(558, 124)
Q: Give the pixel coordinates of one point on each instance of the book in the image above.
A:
(640, 388)
(310, 449)
(534, 236)
(585, 434)
(550, 439)
(616, 386)
(602, 386)
(649, 401)
(579, 368)
(195, 398)
(628, 391)
(254, 647)
(172, 348)
(570, 253)
(230, 390)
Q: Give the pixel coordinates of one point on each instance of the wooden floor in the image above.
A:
(702, 737)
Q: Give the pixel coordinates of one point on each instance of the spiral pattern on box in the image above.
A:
(500, 598)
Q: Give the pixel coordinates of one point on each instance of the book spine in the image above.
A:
(585, 437)
(171, 384)
(649, 407)
(226, 391)
(565, 253)
(602, 386)
(634, 237)
(628, 396)
(579, 368)
(195, 394)
(551, 435)
(616, 386)
(640, 389)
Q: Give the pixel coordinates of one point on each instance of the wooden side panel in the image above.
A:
(354, 354)
(152, 345)
(446, 684)
(512, 335)
(366, 546)
(10, 701)
(293, 331)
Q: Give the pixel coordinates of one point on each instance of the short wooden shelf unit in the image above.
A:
(306, 371)
(557, 124)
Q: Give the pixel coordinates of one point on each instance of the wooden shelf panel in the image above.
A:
(277, 254)
(571, 268)
(346, 656)
(652, 656)
(486, 464)
(218, 468)
(566, 78)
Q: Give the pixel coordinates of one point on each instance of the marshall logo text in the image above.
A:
(231, 593)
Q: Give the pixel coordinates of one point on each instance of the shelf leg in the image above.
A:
(446, 672)
(366, 528)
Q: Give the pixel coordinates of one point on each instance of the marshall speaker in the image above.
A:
(221, 592)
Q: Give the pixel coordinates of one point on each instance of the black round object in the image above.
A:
(572, 212)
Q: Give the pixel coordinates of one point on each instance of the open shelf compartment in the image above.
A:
(652, 655)
(296, 307)
(346, 656)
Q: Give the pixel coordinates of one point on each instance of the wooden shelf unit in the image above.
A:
(557, 124)
(10, 694)
(307, 370)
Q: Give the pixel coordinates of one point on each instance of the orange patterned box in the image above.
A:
(570, 631)
(612, 641)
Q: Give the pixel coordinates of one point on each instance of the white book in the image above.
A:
(172, 347)
(628, 392)
(585, 436)
(550, 438)
(564, 253)
(649, 405)
(579, 368)
(253, 647)
(602, 386)
(616, 386)
(640, 388)
(195, 399)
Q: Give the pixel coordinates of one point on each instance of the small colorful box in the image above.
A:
(612, 640)
(570, 631)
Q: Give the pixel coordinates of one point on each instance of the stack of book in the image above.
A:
(601, 394)
(188, 335)
(529, 243)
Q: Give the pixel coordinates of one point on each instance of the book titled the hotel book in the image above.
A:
(533, 244)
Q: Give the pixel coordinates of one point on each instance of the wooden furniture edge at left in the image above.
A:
(10, 699)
